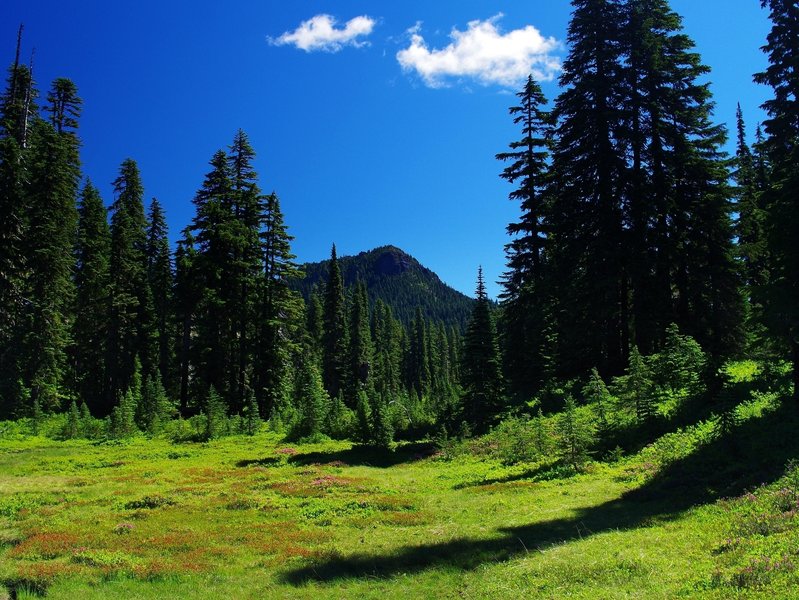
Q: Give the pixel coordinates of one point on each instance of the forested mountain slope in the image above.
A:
(398, 279)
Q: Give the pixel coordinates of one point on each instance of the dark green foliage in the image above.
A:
(162, 281)
(575, 435)
(312, 403)
(155, 408)
(360, 342)
(215, 415)
(132, 323)
(252, 418)
(524, 318)
(399, 280)
(90, 331)
(334, 337)
(340, 422)
(782, 196)
(363, 417)
(37, 417)
(279, 309)
(73, 428)
(541, 435)
(382, 432)
(123, 417)
(481, 376)
(54, 174)
(636, 387)
(680, 364)
(597, 395)
(417, 360)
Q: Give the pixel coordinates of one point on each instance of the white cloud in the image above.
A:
(320, 33)
(483, 53)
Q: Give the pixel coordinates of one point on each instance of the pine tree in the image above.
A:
(360, 342)
(782, 149)
(524, 289)
(597, 395)
(72, 429)
(187, 297)
(418, 376)
(161, 279)
(131, 319)
(52, 221)
(679, 202)
(280, 310)
(252, 417)
(588, 263)
(334, 342)
(637, 387)
(382, 432)
(215, 415)
(90, 332)
(312, 402)
(575, 436)
(480, 368)
(243, 272)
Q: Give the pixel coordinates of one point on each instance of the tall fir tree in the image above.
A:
(782, 198)
(279, 310)
(188, 292)
(588, 264)
(481, 368)
(334, 342)
(161, 279)
(91, 326)
(17, 108)
(243, 273)
(52, 222)
(132, 320)
(204, 285)
(524, 296)
(360, 342)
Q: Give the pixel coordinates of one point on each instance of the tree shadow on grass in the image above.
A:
(369, 456)
(755, 454)
(546, 472)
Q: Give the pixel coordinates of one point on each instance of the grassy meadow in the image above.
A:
(692, 515)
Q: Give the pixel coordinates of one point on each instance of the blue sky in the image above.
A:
(375, 126)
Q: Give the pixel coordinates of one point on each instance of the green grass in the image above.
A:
(690, 516)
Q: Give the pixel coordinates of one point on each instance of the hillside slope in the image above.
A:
(399, 280)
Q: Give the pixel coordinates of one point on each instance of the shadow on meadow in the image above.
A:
(755, 454)
(355, 456)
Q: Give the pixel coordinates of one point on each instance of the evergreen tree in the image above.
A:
(678, 200)
(52, 221)
(252, 417)
(382, 432)
(72, 429)
(215, 415)
(575, 436)
(243, 272)
(90, 332)
(334, 342)
(418, 375)
(596, 393)
(187, 297)
(782, 149)
(162, 281)
(312, 402)
(131, 317)
(360, 342)
(637, 387)
(524, 292)
(480, 369)
(588, 268)
(280, 310)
